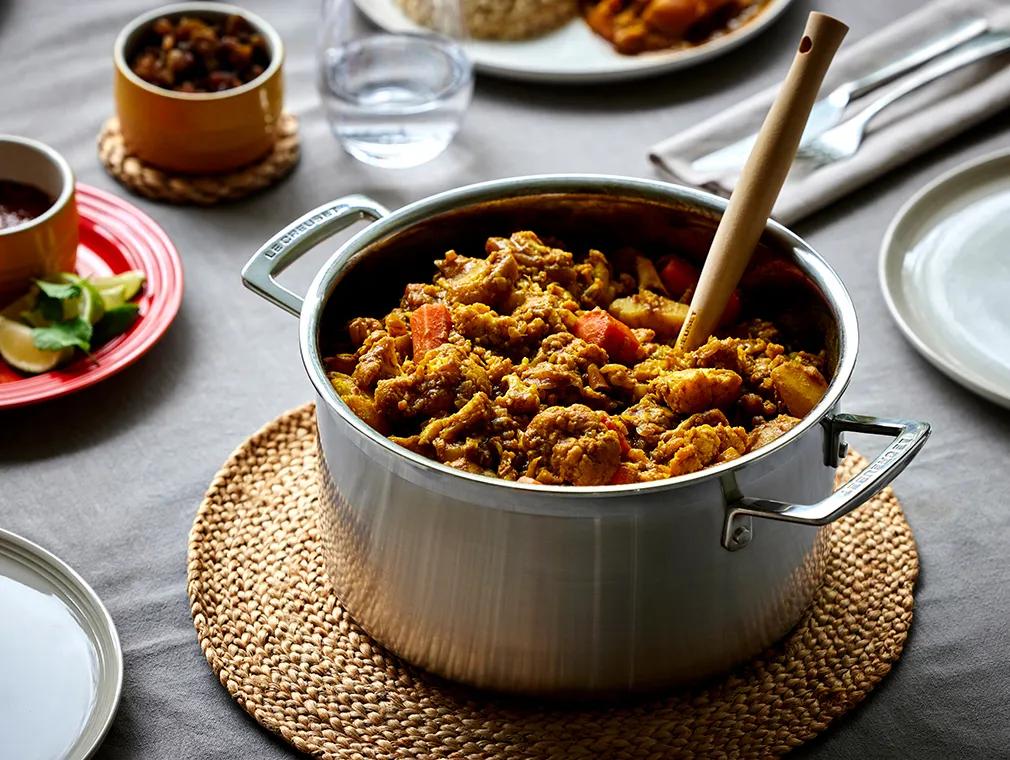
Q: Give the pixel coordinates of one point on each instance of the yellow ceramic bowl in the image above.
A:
(47, 243)
(198, 133)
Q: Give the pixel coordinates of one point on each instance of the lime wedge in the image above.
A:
(131, 282)
(18, 349)
(113, 296)
(88, 305)
(92, 305)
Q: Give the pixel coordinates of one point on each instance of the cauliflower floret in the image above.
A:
(571, 444)
(442, 381)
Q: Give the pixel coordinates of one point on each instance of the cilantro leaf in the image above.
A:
(61, 291)
(115, 321)
(66, 334)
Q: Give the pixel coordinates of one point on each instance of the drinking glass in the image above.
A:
(393, 99)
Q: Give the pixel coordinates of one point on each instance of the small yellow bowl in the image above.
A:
(47, 243)
(198, 133)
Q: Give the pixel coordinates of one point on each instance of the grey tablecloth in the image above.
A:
(109, 479)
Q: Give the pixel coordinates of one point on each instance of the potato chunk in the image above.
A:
(689, 391)
(651, 310)
(800, 387)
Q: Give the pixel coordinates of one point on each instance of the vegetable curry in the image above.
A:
(638, 26)
(533, 364)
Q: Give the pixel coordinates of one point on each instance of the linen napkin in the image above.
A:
(911, 126)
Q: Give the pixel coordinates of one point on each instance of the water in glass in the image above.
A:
(395, 100)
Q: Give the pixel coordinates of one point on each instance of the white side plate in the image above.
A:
(574, 53)
(61, 667)
(945, 274)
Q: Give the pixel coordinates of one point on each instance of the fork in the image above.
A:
(842, 141)
(830, 110)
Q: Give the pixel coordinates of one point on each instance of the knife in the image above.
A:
(828, 111)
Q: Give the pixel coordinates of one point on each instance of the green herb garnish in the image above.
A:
(66, 334)
(61, 291)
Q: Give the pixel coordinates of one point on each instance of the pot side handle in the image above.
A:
(909, 438)
(284, 248)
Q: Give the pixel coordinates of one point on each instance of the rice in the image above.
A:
(497, 19)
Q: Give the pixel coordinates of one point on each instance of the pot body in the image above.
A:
(564, 590)
(542, 596)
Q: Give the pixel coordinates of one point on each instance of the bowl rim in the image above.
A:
(217, 9)
(86, 605)
(814, 265)
(66, 175)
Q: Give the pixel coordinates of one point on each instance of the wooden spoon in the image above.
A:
(761, 180)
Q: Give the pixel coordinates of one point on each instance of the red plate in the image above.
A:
(115, 237)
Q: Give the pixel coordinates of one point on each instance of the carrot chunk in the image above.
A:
(429, 328)
(625, 474)
(610, 334)
(678, 275)
(732, 311)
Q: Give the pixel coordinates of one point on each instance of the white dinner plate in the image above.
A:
(61, 667)
(945, 273)
(574, 53)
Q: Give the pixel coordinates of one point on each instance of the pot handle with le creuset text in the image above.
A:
(909, 437)
(284, 248)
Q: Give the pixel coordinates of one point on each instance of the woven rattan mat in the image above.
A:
(201, 190)
(294, 660)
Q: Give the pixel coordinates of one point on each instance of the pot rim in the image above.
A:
(207, 8)
(327, 277)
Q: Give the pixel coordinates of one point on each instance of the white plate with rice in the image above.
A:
(574, 53)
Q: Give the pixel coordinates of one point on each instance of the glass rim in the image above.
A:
(462, 66)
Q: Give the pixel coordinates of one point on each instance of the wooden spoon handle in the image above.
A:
(762, 177)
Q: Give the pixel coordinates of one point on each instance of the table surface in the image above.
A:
(110, 478)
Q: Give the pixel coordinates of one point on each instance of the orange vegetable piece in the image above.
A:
(429, 328)
(732, 311)
(675, 18)
(625, 474)
(678, 275)
(610, 334)
(621, 435)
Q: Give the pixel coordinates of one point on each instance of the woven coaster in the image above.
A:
(293, 659)
(202, 190)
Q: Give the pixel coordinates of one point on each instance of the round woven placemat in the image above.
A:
(293, 659)
(203, 190)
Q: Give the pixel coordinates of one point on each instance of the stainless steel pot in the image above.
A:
(566, 590)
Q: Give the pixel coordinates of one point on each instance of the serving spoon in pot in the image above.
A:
(761, 180)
